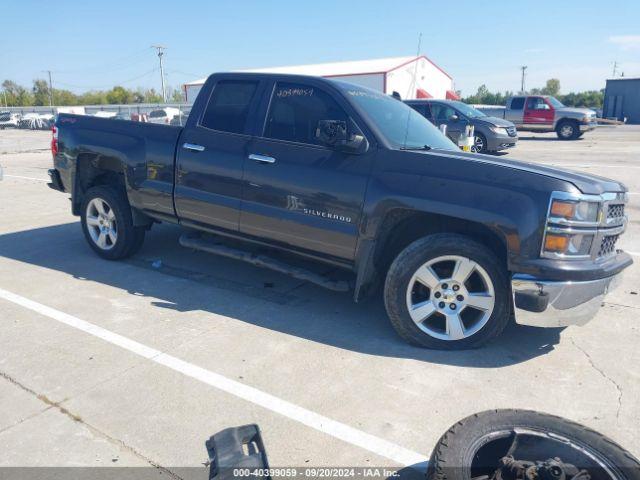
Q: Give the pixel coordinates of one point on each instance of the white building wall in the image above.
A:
(427, 77)
(374, 80)
(191, 92)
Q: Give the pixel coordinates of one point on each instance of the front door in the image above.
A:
(538, 113)
(298, 191)
(447, 115)
(211, 155)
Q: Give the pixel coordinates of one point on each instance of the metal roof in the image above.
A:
(336, 69)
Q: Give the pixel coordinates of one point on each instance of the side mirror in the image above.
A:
(333, 133)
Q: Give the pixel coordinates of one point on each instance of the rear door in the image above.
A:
(299, 192)
(538, 113)
(423, 109)
(515, 111)
(211, 155)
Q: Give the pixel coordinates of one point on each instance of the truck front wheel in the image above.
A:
(446, 291)
(568, 130)
(107, 223)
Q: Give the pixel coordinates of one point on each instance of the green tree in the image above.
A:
(118, 95)
(552, 87)
(17, 95)
(177, 96)
(41, 92)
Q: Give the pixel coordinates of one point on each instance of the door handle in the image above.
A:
(261, 158)
(193, 147)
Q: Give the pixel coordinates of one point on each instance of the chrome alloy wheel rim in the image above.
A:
(478, 145)
(566, 131)
(450, 297)
(101, 224)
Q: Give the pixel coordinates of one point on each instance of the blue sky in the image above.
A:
(91, 45)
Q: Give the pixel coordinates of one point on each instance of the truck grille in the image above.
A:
(608, 245)
(511, 131)
(615, 211)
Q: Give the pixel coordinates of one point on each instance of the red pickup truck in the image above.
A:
(543, 113)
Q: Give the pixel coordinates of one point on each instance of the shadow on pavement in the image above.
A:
(334, 319)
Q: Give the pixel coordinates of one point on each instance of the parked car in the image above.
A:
(9, 120)
(121, 116)
(352, 178)
(163, 115)
(543, 113)
(491, 134)
(37, 121)
(181, 118)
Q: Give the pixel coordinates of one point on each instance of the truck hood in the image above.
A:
(586, 183)
(494, 121)
(576, 112)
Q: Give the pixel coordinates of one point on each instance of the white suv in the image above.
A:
(163, 115)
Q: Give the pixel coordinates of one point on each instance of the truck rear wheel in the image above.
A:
(107, 224)
(446, 291)
(568, 130)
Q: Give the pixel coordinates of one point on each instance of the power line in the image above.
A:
(94, 87)
(118, 64)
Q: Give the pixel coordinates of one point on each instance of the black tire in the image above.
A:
(483, 139)
(458, 449)
(432, 247)
(568, 130)
(129, 238)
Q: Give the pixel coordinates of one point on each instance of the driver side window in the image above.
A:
(297, 109)
(536, 103)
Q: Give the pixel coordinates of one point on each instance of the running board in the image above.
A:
(200, 243)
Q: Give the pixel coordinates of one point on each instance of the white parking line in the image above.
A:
(26, 178)
(306, 417)
(635, 254)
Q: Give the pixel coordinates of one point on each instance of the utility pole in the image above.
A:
(523, 68)
(50, 89)
(615, 68)
(161, 49)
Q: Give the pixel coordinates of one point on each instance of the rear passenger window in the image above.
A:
(296, 110)
(517, 103)
(228, 107)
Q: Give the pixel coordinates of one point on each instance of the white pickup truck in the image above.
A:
(543, 113)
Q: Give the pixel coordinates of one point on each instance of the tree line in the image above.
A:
(15, 95)
(590, 99)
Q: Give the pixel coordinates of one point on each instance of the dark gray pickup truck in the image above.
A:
(349, 177)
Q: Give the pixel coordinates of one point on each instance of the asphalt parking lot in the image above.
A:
(330, 382)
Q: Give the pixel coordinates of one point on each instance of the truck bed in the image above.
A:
(491, 110)
(147, 151)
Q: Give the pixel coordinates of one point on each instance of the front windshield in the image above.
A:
(555, 102)
(401, 125)
(467, 110)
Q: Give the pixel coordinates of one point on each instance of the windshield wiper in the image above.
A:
(423, 147)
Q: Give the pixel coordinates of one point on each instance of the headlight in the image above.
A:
(499, 130)
(574, 244)
(574, 211)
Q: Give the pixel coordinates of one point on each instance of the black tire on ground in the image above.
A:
(484, 142)
(454, 453)
(129, 238)
(568, 130)
(430, 247)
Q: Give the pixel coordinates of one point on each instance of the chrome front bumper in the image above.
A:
(541, 303)
(587, 127)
